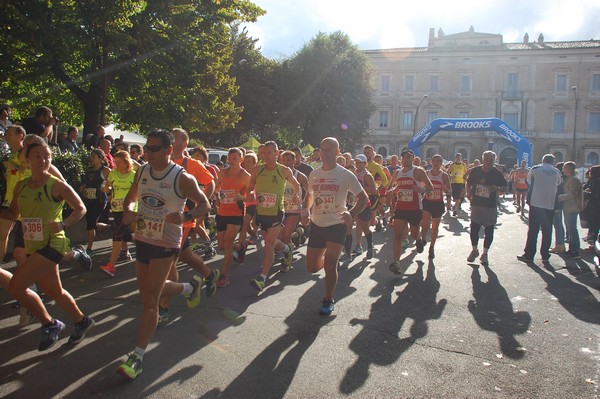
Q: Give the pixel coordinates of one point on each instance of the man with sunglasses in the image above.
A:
(161, 188)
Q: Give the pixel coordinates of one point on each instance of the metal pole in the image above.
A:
(574, 153)
(417, 114)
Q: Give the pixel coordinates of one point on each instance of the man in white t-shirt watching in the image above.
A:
(328, 188)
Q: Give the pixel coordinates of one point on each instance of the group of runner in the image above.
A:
(159, 205)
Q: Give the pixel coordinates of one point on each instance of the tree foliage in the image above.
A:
(159, 63)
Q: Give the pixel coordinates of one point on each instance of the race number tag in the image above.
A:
(151, 228)
(117, 205)
(325, 203)
(435, 194)
(482, 191)
(33, 229)
(89, 193)
(227, 196)
(267, 200)
(405, 195)
(521, 180)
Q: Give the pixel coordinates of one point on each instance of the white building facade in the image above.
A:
(548, 91)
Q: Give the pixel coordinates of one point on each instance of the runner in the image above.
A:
(377, 172)
(457, 171)
(267, 183)
(364, 217)
(483, 185)
(521, 186)
(292, 205)
(40, 200)
(249, 226)
(162, 188)
(328, 187)
(232, 187)
(411, 182)
(119, 182)
(433, 202)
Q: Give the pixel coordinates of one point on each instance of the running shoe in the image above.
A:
(124, 256)
(251, 241)
(193, 298)
(346, 257)
(84, 259)
(163, 315)
(211, 282)
(525, 259)
(258, 283)
(431, 253)
(25, 316)
(241, 254)
(327, 307)
(89, 252)
(109, 269)
(454, 213)
(573, 255)
(405, 243)
(223, 281)
(473, 255)
(357, 251)
(79, 329)
(50, 334)
(484, 260)
(132, 367)
(288, 257)
(369, 252)
(395, 267)
(210, 251)
(558, 249)
(420, 245)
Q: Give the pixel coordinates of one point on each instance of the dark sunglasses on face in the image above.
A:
(153, 148)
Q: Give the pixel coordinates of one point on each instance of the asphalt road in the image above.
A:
(445, 329)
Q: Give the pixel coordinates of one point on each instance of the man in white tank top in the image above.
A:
(160, 187)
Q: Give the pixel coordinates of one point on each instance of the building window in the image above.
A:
(558, 156)
(431, 116)
(594, 122)
(382, 151)
(434, 84)
(512, 119)
(512, 83)
(465, 84)
(430, 153)
(592, 159)
(596, 82)
(463, 114)
(409, 83)
(385, 83)
(561, 83)
(407, 120)
(383, 118)
(558, 122)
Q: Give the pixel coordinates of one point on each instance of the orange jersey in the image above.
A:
(520, 179)
(231, 188)
(200, 173)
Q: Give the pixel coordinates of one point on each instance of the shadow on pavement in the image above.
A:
(378, 342)
(493, 311)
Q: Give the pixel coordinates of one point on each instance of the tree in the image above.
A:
(325, 90)
(159, 63)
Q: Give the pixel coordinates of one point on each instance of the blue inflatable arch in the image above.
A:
(473, 125)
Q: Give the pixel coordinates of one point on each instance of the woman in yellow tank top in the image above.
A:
(39, 201)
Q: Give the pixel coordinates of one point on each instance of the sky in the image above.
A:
(376, 24)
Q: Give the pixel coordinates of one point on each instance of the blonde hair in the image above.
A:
(124, 155)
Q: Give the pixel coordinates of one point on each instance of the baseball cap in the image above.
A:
(361, 158)
(458, 154)
(407, 151)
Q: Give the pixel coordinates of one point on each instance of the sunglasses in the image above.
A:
(153, 148)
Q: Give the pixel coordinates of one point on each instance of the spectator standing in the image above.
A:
(572, 205)
(69, 144)
(5, 123)
(41, 123)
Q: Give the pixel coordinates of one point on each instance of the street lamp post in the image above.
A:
(574, 153)
(417, 114)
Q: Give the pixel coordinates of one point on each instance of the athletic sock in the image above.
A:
(369, 237)
(474, 248)
(264, 276)
(348, 243)
(139, 352)
(485, 251)
(187, 289)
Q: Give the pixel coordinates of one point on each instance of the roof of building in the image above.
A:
(579, 44)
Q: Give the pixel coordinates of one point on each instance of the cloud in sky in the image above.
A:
(374, 24)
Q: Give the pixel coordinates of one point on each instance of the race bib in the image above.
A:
(33, 229)
(351, 199)
(227, 196)
(151, 228)
(405, 195)
(267, 200)
(89, 193)
(117, 205)
(521, 180)
(325, 203)
(435, 194)
(482, 191)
